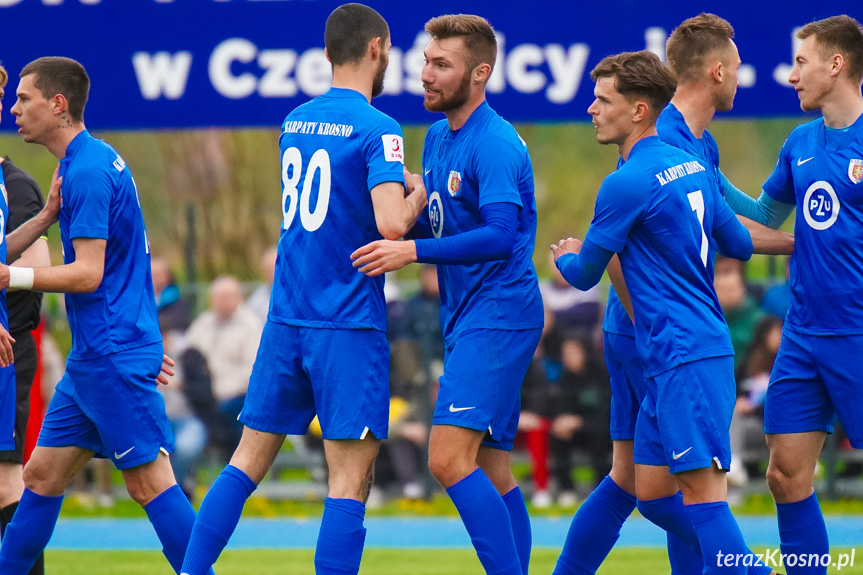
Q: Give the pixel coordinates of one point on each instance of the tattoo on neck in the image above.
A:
(67, 122)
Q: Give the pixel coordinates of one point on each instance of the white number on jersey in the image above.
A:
(696, 200)
(292, 161)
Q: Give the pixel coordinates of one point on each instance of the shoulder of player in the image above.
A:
(805, 130)
(12, 173)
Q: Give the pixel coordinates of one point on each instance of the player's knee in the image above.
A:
(787, 483)
(40, 479)
(448, 468)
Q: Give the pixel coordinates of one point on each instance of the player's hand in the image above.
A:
(384, 256)
(4, 276)
(567, 246)
(564, 426)
(55, 198)
(413, 182)
(6, 342)
(167, 371)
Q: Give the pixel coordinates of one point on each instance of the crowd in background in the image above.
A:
(563, 445)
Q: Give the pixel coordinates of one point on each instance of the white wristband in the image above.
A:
(20, 278)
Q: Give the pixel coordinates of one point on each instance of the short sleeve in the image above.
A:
(385, 152)
(618, 208)
(780, 184)
(89, 199)
(498, 163)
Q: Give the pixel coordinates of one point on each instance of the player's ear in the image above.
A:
(375, 47)
(640, 112)
(59, 104)
(717, 72)
(327, 54)
(837, 62)
(482, 73)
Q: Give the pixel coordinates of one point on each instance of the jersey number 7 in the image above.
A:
(696, 200)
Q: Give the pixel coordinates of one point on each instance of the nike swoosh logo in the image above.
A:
(425, 173)
(454, 409)
(800, 161)
(677, 456)
(124, 454)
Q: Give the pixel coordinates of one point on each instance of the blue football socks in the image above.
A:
(339, 549)
(217, 518)
(720, 537)
(172, 517)
(514, 501)
(683, 557)
(29, 532)
(594, 529)
(802, 531)
(487, 521)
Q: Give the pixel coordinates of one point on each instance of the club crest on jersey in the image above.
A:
(453, 184)
(855, 171)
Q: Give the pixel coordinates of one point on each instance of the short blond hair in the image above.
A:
(4, 77)
(478, 36)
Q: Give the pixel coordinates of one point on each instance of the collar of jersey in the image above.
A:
(76, 143)
(647, 142)
(833, 139)
(343, 93)
(482, 110)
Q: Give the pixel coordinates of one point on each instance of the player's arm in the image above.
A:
(81, 276)
(733, 239)
(768, 241)
(397, 209)
(492, 241)
(34, 228)
(581, 264)
(766, 210)
(615, 274)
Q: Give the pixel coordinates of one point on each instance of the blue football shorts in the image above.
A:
(340, 375)
(814, 380)
(685, 416)
(627, 383)
(111, 405)
(481, 383)
(8, 396)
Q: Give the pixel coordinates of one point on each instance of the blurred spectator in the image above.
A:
(778, 297)
(580, 406)
(574, 311)
(259, 301)
(175, 313)
(739, 308)
(533, 426)
(753, 377)
(227, 335)
(415, 336)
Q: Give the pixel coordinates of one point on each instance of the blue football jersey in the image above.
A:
(4, 217)
(482, 163)
(334, 150)
(822, 173)
(100, 201)
(657, 211)
(673, 130)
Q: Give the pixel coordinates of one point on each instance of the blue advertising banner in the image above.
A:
(197, 63)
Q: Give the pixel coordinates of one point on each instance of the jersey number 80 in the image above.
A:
(292, 162)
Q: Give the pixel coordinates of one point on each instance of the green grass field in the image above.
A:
(375, 562)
